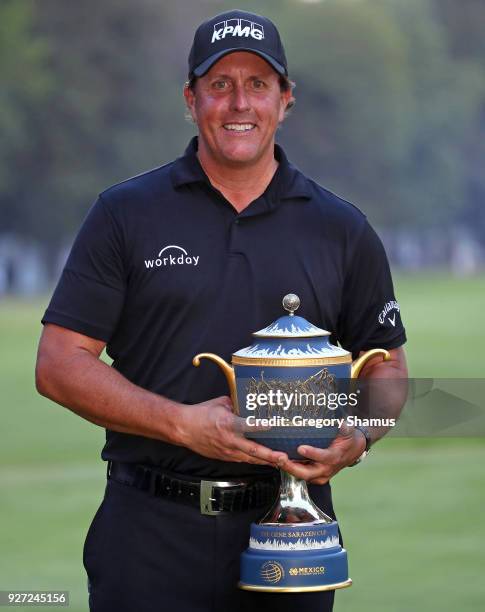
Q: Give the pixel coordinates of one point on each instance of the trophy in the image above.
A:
(295, 546)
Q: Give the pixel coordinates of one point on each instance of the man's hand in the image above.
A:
(350, 442)
(325, 463)
(212, 430)
(70, 372)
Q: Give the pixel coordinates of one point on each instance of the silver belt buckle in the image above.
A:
(207, 494)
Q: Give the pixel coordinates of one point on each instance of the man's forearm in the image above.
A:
(385, 392)
(93, 390)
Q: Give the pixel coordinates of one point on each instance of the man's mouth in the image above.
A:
(239, 127)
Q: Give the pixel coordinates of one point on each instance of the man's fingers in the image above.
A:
(346, 431)
(252, 448)
(240, 457)
(321, 455)
(242, 427)
(308, 471)
(251, 428)
(253, 458)
(261, 452)
(319, 481)
(226, 402)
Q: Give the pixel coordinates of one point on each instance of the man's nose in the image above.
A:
(240, 99)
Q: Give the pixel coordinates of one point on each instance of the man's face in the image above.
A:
(237, 106)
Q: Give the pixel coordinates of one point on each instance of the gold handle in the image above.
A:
(359, 363)
(228, 373)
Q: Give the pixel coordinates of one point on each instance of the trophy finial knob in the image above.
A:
(291, 302)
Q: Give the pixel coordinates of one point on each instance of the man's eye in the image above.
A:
(258, 84)
(220, 84)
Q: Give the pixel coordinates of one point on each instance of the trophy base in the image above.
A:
(308, 589)
(294, 558)
(295, 548)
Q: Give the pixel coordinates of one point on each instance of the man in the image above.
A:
(193, 257)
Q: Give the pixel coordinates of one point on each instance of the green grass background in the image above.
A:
(412, 515)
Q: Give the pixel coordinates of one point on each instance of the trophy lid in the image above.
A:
(290, 325)
(290, 337)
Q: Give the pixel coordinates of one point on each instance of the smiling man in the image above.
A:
(192, 257)
(237, 107)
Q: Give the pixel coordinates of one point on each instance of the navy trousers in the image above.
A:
(146, 554)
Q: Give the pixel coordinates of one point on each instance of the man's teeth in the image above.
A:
(239, 127)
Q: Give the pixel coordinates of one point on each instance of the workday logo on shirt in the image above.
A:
(172, 255)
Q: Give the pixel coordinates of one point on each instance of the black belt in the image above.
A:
(210, 496)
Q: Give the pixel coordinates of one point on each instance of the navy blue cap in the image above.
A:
(236, 31)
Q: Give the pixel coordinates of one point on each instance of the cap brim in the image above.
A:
(210, 61)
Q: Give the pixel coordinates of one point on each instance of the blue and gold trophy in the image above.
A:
(283, 382)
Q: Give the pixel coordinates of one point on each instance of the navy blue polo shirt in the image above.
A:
(164, 268)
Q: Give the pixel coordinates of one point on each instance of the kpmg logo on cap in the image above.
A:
(237, 27)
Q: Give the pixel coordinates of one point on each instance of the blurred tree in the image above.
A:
(382, 109)
(110, 116)
(110, 109)
(465, 23)
(389, 110)
(447, 99)
(26, 84)
(353, 122)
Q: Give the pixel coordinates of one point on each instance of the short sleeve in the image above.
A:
(90, 293)
(370, 315)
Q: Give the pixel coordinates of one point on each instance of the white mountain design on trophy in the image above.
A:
(300, 544)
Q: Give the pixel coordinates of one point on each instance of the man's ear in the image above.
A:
(285, 98)
(189, 96)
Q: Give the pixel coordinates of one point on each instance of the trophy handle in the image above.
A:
(359, 363)
(228, 373)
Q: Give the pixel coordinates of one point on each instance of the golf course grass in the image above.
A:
(412, 515)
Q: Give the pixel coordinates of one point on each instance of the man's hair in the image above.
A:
(286, 84)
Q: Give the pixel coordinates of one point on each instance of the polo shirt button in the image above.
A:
(237, 221)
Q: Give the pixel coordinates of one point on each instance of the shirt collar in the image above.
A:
(292, 183)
